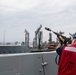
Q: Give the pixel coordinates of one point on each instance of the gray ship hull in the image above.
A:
(39, 63)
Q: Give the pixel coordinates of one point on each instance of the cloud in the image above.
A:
(17, 5)
(17, 15)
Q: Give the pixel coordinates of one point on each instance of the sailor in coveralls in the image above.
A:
(67, 61)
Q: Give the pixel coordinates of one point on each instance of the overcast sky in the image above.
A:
(18, 15)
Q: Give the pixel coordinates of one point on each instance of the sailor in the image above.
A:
(67, 60)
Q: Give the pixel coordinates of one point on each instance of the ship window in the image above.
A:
(19, 51)
(4, 52)
(9, 51)
(24, 51)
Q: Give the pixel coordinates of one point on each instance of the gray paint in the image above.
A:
(13, 49)
(40, 63)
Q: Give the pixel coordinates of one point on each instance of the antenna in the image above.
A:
(4, 37)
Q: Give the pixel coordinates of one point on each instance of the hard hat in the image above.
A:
(74, 36)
